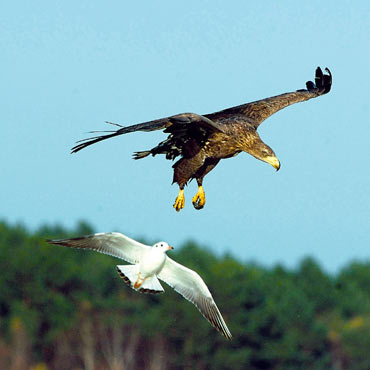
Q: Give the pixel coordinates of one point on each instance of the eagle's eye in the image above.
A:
(266, 152)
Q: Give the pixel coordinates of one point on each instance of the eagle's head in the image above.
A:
(264, 153)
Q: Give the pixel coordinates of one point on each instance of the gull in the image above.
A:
(147, 265)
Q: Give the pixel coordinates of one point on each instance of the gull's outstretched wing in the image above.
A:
(113, 244)
(187, 121)
(256, 112)
(192, 287)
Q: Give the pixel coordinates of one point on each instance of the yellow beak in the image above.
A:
(273, 161)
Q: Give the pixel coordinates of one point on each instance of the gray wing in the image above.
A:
(192, 287)
(113, 244)
(256, 112)
(188, 121)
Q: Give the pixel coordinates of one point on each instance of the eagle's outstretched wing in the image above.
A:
(185, 122)
(256, 112)
(196, 128)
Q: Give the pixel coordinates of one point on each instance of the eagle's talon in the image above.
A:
(180, 201)
(197, 205)
(199, 199)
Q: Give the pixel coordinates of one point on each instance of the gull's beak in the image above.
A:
(273, 161)
(170, 247)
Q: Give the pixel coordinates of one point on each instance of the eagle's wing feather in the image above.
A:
(171, 124)
(256, 112)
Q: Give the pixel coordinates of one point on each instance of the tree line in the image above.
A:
(68, 309)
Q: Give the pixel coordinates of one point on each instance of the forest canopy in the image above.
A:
(68, 309)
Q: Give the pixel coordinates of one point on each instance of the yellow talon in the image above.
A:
(180, 201)
(199, 199)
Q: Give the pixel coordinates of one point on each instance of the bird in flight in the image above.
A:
(148, 264)
(201, 141)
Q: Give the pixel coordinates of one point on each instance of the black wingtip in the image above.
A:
(54, 241)
(67, 241)
(92, 140)
(319, 80)
(76, 148)
(310, 85)
(114, 124)
(322, 81)
(327, 81)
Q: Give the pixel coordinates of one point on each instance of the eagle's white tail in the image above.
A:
(130, 275)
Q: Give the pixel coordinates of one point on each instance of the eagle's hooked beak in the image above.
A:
(273, 161)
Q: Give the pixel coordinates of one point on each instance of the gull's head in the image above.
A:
(162, 246)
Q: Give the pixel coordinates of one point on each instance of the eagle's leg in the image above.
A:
(180, 200)
(199, 199)
(184, 170)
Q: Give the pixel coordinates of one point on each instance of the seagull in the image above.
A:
(148, 264)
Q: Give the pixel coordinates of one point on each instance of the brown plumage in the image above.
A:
(202, 141)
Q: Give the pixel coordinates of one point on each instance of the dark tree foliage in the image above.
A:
(63, 308)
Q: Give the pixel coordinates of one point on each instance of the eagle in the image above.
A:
(201, 141)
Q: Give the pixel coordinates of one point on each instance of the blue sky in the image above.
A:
(66, 67)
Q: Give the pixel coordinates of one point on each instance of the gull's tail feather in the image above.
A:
(130, 275)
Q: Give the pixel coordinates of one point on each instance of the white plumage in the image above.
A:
(149, 264)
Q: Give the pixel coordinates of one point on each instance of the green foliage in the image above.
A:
(280, 319)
